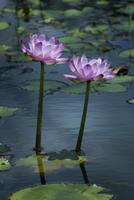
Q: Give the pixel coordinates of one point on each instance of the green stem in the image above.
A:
(83, 120)
(40, 111)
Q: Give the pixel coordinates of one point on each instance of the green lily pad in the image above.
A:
(71, 1)
(4, 48)
(3, 25)
(4, 164)
(102, 2)
(113, 85)
(48, 163)
(9, 10)
(126, 26)
(62, 191)
(4, 148)
(20, 29)
(72, 13)
(111, 88)
(49, 86)
(69, 39)
(131, 101)
(36, 2)
(52, 13)
(127, 53)
(96, 29)
(129, 9)
(7, 111)
(121, 79)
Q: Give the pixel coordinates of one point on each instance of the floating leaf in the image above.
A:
(129, 9)
(4, 148)
(7, 111)
(113, 85)
(3, 25)
(72, 12)
(102, 2)
(131, 101)
(50, 85)
(72, 1)
(126, 26)
(112, 88)
(62, 191)
(4, 48)
(4, 164)
(69, 39)
(9, 10)
(97, 28)
(36, 2)
(121, 79)
(20, 29)
(127, 53)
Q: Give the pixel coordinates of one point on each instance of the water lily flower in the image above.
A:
(44, 49)
(84, 70)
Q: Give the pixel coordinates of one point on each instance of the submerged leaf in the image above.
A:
(62, 191)
(7, 111)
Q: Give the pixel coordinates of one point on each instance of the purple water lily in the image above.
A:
(44, 49)
(84, 70)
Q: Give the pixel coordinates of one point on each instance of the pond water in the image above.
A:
(101, 28)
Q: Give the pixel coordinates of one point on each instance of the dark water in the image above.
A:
(109, 129)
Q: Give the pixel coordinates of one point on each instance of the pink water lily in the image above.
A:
(44, 49)
(88, 70)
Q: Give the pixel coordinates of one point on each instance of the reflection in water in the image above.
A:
(41, 168)
(84, 173)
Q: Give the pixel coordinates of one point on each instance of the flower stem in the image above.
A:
(40, 111)
(83, 119)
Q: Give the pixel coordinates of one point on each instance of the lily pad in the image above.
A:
(4, 48)
(20, 29)
(3, 25)
(7, 111)
(72, 1)
(129, 9)
(50, 85)
(113, 85)
(4, 164)
(72, 13)
(127, 53)
(126, 26)
(62, 191)
(131, 101)
(4, 148)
